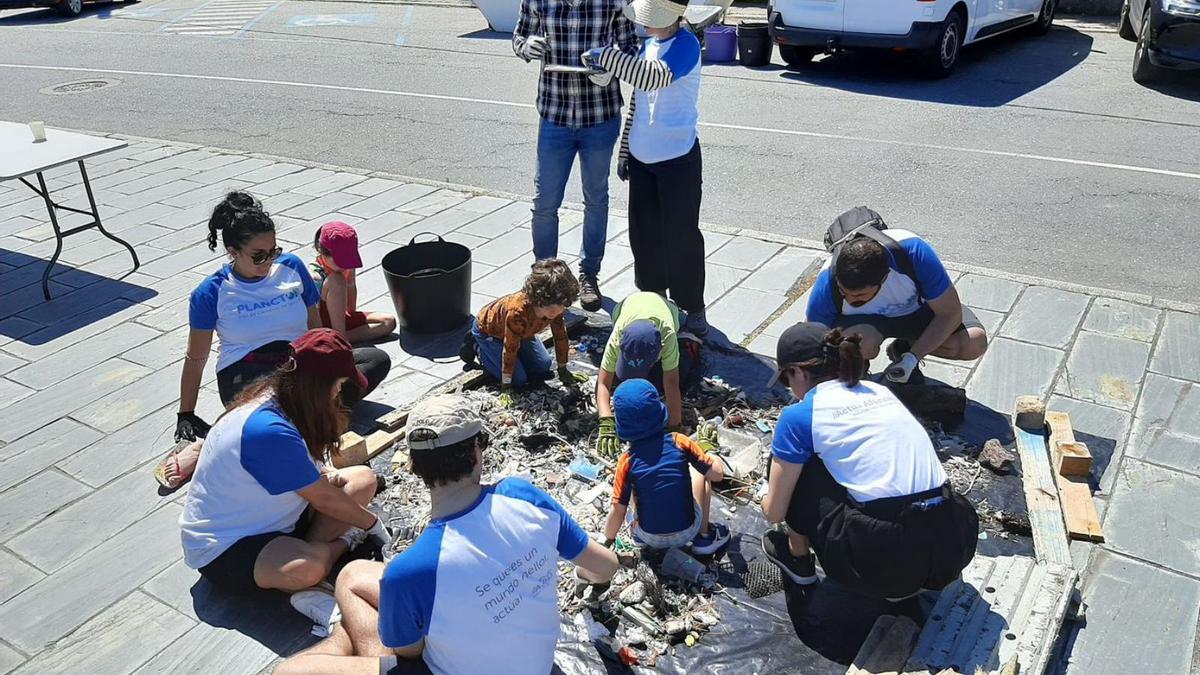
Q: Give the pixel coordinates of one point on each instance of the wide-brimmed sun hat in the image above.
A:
(654, 13)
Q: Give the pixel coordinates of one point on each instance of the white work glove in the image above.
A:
(379, 535)
(902, 369)
(535, 47)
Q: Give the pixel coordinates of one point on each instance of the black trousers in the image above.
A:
(882, 549)
(664, 228)
(231, 380)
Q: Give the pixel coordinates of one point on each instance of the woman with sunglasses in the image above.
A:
(256, 304)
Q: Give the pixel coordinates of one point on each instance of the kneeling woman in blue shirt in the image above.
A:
(660, 156)
(855, 477)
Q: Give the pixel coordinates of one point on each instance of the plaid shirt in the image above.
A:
(571, 28)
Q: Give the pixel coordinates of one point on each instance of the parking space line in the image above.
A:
(528, 106)
(404, 24)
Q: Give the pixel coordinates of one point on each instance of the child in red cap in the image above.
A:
(334, 272)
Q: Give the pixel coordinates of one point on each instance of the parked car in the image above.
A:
(935, 29)
(63, 7)
(1167, 33)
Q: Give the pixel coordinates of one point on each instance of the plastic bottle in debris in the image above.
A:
(678, 564)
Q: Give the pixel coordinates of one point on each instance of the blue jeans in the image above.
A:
(556, 150)
(534, 362)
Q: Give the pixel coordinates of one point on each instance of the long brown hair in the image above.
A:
(306, 401)
(842, 359)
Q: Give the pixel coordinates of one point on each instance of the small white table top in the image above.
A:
(20, 156)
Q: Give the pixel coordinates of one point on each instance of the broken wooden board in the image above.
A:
(1075, 493)
(1041, 498)
(887, 647)
(380, 440)
(1001, 608)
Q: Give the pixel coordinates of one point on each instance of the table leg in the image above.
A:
(87, 185)
(58, 237)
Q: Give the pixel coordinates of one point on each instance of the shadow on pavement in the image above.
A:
(264, 616)
(990, 74)
(487, 34)
(1180, 84)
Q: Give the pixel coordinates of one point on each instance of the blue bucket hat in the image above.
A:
(641, 347)
(639, 411)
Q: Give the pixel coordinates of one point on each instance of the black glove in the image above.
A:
(189, 426)
(623, 169)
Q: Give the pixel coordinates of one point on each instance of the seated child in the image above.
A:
(672, 502)
(334, 273)
(506, 329)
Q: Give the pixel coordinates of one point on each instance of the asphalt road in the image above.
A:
(1040, 156)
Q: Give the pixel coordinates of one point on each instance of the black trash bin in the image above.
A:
(430, 283)
(754, 43)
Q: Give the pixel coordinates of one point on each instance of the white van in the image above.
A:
(936, 29)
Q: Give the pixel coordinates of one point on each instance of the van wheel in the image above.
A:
(1144, 72)
(941, 60)
(1126, 28)
(1045, 18)
(69, 7)
(796, 56)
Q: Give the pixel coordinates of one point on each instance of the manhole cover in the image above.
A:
(80, 86)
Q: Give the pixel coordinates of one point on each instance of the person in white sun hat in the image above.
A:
(660, 156)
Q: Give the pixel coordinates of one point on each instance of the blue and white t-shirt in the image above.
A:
(867, 439)
(664, 120)
(248, 314)
(480, 586)
(245, 484)
(897, 295)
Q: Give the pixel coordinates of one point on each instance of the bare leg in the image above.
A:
(797, 543)
(964, 345)
(702, 492)
(357, 592)
(332, 656)
(872, 339)
(378, 326)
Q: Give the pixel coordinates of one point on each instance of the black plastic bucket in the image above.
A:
(430, 283)
(754, 43)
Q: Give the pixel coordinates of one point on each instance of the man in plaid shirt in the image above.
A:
(580, 115)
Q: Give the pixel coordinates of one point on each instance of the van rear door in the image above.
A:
(818, 14)
(884, 17)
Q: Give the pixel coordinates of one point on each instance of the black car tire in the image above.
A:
(69, 7)
(940, 61)
(1125, 28)
(1144, 72)
(796, 56)
(1045, 18)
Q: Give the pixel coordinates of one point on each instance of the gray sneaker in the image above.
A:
(589, 292)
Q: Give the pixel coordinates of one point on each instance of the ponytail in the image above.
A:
(239, 217)
(841, 359)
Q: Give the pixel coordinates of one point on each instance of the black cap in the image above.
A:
(802, 342)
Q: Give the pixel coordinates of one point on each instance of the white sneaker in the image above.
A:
(353, 537)
(318, 605)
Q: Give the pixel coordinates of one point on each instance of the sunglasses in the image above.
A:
(263, 257)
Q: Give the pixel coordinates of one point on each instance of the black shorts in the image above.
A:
(234, 569)
(908, 327)
(882, 549)
(406, 667)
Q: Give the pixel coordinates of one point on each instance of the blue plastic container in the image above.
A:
(720, 44)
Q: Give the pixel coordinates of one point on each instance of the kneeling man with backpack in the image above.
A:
(889, 283)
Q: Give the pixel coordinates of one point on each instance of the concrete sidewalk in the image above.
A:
(92, 574)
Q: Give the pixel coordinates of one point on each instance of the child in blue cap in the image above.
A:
(672, 502)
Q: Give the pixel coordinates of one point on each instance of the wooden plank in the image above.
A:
(1074, 459)
(1035, 644)
(352, 451)
(886, 651)
(1041, 499)
(1075, 494)
(950, 609)
(982, 651)
(379, 440)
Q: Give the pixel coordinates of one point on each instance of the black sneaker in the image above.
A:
(589, 292)
(696, 323)
(801, 570)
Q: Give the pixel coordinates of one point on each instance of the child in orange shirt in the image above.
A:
(334, 272)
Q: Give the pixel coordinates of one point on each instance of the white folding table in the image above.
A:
(21, 157)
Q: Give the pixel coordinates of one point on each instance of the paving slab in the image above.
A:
(382, 225)
(744, 252)
(1104, 369)
(290, 182)
(18, 575)
(1103, 429)
(781, 272)
(500, 221)
(9, 659)
(505, 248)
(143, 198)
(1010, 369)
(485, 204)
(403, 387)
(203, 196)
(11, 392)
(1046, 316)
(82, 355)
(741, 311)
(31, 454)
(270, 172)
(63, 398)
(31, 501)
(617, 258)
(435, 202)
(1122, 319)
(719, 280)
(163, 349)
(388, 201)
(338, 182)
(1178, 350)
(112, 455)
(1151, 516)
(58, 604)
(955, 376)
(1167, 427)
(189, 258)
(134, 401)
(277, 204)
(320, 207)
(794, 314)
(115, 641)
(1153, 611)
(371, 186)
(998, 295)
(150, 180)
(166, 318)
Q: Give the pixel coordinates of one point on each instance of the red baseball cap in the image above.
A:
(323, 351)
(342, 243)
